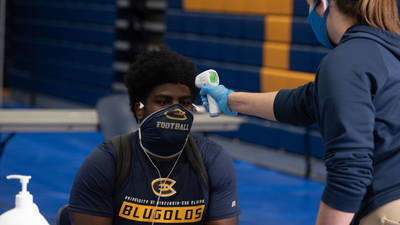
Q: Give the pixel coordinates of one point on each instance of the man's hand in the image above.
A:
(220, 94)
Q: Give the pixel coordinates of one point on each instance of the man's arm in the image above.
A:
(86, 219)
(223, 204)
(330, 216)
(92, 190)
(228, 221)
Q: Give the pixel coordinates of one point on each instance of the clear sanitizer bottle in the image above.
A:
(26, 211)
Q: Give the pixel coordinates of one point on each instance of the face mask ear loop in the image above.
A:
(315, 5)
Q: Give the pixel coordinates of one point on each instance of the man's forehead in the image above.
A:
(171, 90)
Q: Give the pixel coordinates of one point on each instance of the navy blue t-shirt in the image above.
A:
(184, 198)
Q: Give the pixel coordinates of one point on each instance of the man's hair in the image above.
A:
(158, 67)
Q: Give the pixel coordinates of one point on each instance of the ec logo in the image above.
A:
(176, 114)
(163, 187)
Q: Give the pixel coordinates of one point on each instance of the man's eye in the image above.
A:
(185, 103)
(163, 102)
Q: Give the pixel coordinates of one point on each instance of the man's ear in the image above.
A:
(323, 2)
(320, 8)
(139, 111)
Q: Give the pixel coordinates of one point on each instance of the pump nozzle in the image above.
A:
(26, 211)
(23, 179)
(23, 197)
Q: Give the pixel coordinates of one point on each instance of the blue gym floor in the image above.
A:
(52, 159)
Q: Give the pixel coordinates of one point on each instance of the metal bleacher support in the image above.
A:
(2, 44)
(140, 27)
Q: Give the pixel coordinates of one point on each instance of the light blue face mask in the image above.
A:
(318, 25)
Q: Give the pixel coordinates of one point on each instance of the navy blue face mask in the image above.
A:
(164, 133)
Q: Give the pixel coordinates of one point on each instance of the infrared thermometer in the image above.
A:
(209, 77)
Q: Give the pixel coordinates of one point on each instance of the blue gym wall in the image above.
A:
(63, 48)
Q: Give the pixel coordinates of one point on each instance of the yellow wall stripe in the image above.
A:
(235, 6)
(256, 6)
(6, 92)
(279, 7)
(276, 55)
(276, 79)
(195, 5)
(213, 5)
(260, 7)
(278, 28)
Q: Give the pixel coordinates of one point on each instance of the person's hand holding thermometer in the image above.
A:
(213, 95)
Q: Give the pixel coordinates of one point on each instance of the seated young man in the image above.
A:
(162, 187)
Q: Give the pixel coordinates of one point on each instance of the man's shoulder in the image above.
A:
(207, 146)
(105, 147)
(211, 152)
(102, 152)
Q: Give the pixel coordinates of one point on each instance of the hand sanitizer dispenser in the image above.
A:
(26, 211)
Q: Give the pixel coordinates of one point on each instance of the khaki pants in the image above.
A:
(388, 214)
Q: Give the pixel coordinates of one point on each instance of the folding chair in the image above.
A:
(63, 216)
(115, 116)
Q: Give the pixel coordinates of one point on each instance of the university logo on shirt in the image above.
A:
(176, 114)
(163, 187)
(168, 212)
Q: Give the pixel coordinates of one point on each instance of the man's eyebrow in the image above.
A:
(186, 96)
(168, 96)
(162, 96)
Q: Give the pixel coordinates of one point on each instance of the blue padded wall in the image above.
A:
(234, 26)
(241, 51)
(64, 48)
